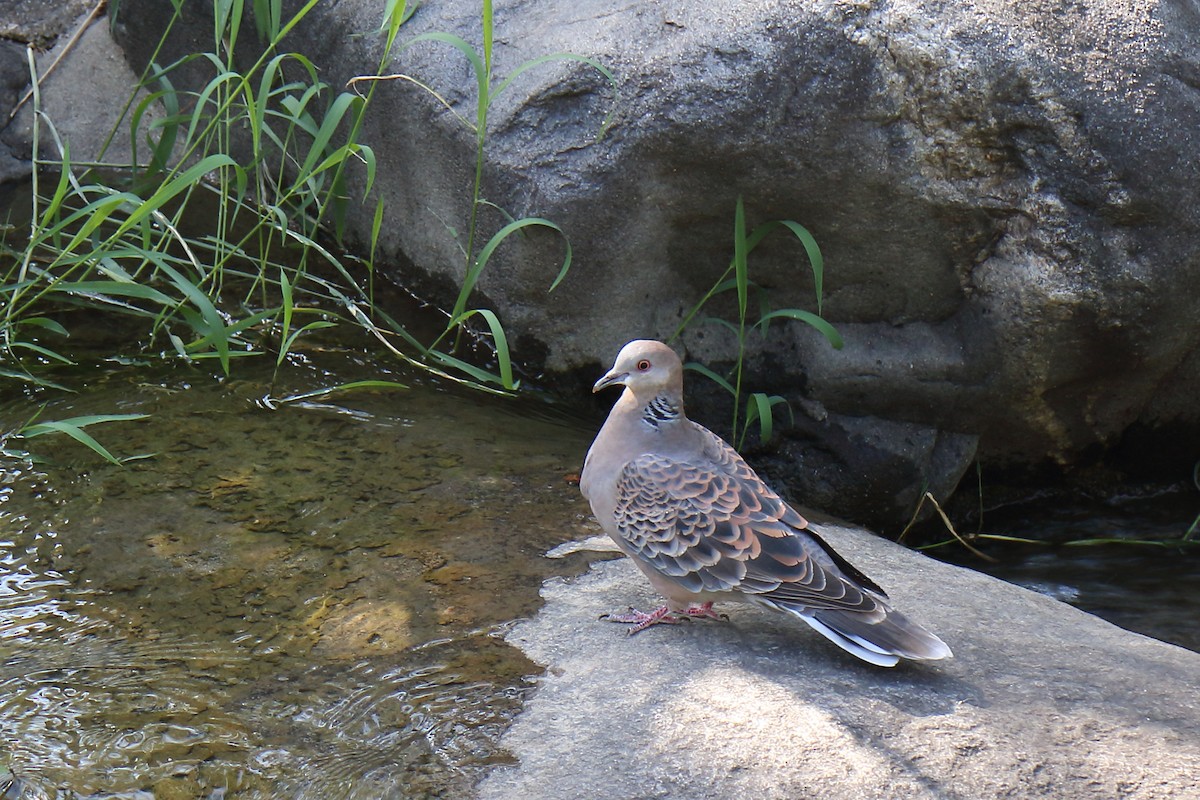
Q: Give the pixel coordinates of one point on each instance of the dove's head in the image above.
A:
(647, 368)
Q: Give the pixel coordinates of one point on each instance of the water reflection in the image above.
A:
(303, 603)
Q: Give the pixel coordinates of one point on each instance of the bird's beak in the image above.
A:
(611, 379)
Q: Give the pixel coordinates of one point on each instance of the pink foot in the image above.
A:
(703, 612)
(640, 619)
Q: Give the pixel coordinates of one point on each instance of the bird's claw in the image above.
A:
(704, 611)
(642, 620)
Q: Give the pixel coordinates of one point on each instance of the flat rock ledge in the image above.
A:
(1041, 700)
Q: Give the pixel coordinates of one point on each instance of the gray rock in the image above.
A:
(1040, 701)
(37, 24)
(1005, 193)
(40, 22)
(83, 98)
(14, 78)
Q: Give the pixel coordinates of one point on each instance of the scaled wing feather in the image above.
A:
(715, 527)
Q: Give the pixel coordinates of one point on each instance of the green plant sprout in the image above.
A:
(758, 406)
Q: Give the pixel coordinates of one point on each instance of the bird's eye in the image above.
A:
(643, 365)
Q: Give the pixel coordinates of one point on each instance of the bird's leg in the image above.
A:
(703, 612)
(640, 619)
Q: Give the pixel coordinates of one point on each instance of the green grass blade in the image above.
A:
(342, 387)
(25, 377)
(724, 323)
(290, 341)
(473, 274)
(712, 376)
(214, 324)
(741, 268)
(44, 322)
(42, 351)
(395, 14)
(812, 319)
(761, 407)
(477, 65)
(285, 291)
(591, 62)
(342, 104)
(106, 288)
(74, 427)
(815, 259)
(176, 185)
(499, 340)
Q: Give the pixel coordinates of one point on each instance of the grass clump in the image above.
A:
(268, 152)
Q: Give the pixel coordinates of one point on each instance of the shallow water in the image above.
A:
(1130, 581)
(297, 603)
(309, 602)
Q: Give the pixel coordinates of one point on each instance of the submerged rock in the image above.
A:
(1040, 700)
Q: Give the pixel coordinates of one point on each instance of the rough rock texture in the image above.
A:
(85, 83)
(14, 78)
(40, 22)
(1005, 193)
(1040, 701)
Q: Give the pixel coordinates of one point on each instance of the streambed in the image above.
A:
(302, 603)
(309, 602)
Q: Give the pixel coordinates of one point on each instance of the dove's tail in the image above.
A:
(881, 637)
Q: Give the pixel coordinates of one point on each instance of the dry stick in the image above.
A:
(945, 521)
(83, 26)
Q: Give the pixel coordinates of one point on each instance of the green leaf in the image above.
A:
(591, 62)
(74, 427)
(106, 288)
(215, 331)
(477, 65)
(816, 261)
(473, 274)
(724, 323)
(741, 269)
(343, 387)
(286, 347)
(176, 185)
(343, 103)
(819, 323)
(712, 376)
(761, 408)
(499, 340)
(488, 35)
(47, 323)
(42, 351)
(395, 14)
(28, 378)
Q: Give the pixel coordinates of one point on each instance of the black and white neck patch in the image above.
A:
(660, 410)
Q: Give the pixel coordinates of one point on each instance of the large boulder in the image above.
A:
(1039, 701)
(1005, 193)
